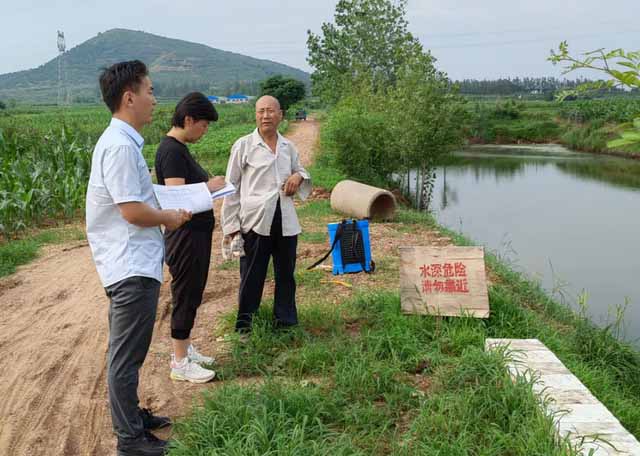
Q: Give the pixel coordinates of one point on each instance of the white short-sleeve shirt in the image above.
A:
(119, 174)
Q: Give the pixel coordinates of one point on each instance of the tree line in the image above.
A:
(516, 86)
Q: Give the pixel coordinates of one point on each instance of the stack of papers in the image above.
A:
(194, 198)
(228, 189)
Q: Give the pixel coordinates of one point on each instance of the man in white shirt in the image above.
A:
(265, 168)
(123, 229)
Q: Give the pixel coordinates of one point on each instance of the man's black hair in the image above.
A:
(120, 77)
(196, 106)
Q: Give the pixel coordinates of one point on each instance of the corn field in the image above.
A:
(45, 157)
(41, 178)
(616, 110)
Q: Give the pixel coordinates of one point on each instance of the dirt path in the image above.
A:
(305, 136)
(53, 343)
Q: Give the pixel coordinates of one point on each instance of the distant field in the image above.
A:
(585, 125)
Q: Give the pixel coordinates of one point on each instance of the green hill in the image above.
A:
(176, 67)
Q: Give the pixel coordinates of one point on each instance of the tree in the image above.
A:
(288, 91)
(427, 120)
(369, 37)
(393, 111)
(607, 62)
(2, 105)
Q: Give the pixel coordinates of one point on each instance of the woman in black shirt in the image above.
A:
(188, 249)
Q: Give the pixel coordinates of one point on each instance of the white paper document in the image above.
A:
(228, 189)
(194, 198)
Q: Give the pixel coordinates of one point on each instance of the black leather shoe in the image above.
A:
(151, 421)
(145, 445)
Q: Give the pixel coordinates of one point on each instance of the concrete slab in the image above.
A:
(578, 413)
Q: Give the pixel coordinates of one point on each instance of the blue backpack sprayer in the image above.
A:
(350, 247)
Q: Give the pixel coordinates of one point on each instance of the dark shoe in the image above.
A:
(151, 421)
(145, 445)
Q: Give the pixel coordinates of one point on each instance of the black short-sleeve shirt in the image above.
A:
(174, 160)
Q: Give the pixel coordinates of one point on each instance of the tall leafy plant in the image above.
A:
(622, 67)
(427, 117)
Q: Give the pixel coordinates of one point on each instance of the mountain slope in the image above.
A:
(176, 67)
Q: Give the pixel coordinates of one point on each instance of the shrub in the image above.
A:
(510, 109)
(360, 143)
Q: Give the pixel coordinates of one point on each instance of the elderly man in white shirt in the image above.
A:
(265, 168)
(123, 229)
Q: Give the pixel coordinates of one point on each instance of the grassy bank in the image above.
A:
(582, 125)
(359, 377)
(608, 367)
(510, 121)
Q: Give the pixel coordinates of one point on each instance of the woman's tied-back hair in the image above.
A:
(118, 78)
(196, 106)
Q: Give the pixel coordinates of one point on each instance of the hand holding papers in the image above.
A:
(194, 198)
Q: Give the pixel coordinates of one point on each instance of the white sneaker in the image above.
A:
(190, 371)
(197, 357)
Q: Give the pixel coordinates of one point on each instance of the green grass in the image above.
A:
(19, 252)
(408, 218)
(325, 172)
(316, 209)
(609, 367)
(309, 279)
(228, 265)
(362, 378)
(398, 385)
(593, 137)
(314, 237)
(513, 122)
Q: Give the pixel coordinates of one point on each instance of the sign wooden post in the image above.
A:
(444, 281)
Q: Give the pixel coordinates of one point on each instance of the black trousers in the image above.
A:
(188, 254)
(253, 271)
(132, 313)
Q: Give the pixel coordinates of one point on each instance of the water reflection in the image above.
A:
(510, 162)
(571, 220)
(621, 173)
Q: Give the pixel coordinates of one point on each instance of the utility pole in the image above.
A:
(62, 47)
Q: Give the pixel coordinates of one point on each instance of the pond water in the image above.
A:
(570, 220)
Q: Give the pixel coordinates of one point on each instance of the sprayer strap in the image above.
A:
(333, 245)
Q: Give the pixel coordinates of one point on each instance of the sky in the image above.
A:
(470, 38)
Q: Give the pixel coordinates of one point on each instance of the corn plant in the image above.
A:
(41, 178)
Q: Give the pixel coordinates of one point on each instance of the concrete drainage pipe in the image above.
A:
(363, 201)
